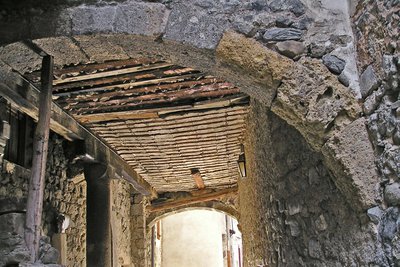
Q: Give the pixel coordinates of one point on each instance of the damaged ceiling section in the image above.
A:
(180, 129)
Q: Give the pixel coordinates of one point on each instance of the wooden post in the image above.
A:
(98, 228)
(40, 148)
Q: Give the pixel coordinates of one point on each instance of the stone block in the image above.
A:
(195, 26)
(98, 48)
(333, 63)
(141, 18)
(375, 214)
(282, 34)
(63, 49)
(295, 6)
(392, 194)
(291, 49)
(368, 81)
(21, 58)
(92, 19)
(253, 59)
(350, 156)
(321, 223)
(313, 101)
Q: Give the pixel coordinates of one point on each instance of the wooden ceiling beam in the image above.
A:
(91, 67)
(198, 198)
(111, 73)
(151, 113)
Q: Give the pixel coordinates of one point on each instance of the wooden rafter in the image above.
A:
(198, 198)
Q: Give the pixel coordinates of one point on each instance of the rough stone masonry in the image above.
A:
(323, 134)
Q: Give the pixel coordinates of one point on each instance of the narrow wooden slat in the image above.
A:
(110, 116)
(140, 104)
(174, 119)
(219, 89)
(98, 94)
(111, 73)
(170, 125)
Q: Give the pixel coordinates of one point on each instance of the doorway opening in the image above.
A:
(196, 238)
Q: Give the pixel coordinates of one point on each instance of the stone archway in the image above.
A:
(304, 93)
(224, 206)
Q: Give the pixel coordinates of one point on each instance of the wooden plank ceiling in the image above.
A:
(177, 127)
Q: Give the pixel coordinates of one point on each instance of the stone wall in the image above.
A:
(376, 27)
(121, 222)
(61, 196)
(293, 28)
(292, 214)
(139, 240)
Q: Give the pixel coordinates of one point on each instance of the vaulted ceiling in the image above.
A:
(180, 129)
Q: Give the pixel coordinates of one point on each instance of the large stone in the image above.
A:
(20, 57)
(12, 223)
(98, 48)
(196, 27)
(350, 156)
(51, 255)
(91, 19)
(291, 49)
(375, 214)
(315, 102)
(392, 194)
(295, 6)
(63, 49)
(333, 63)
(320, 223)
(252, 58)
(368, 81)
(314, 249)
(282, 34)
(141, 18)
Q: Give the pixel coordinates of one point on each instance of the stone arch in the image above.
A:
(209, 205)
(303, 93)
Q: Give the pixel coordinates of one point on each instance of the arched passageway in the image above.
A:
(196, 237)
(132, 103)
(309, 198)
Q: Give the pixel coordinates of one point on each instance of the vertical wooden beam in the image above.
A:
(98, 216)
(40, 148)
